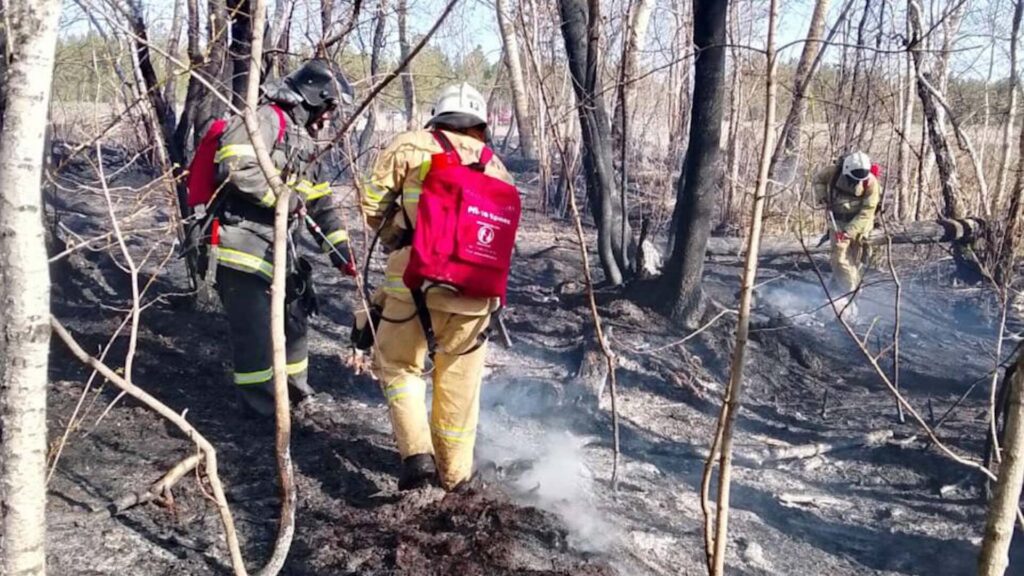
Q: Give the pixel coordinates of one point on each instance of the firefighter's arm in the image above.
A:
(822, 181)
(864, 221)
(322, 206)
(237, 166)
(384, 184)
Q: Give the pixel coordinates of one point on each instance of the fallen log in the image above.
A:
(804, 451)
(928, 232)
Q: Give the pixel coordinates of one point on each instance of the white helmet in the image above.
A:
(857, 166)
(459, 106)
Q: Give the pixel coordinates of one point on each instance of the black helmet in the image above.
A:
(322, 88)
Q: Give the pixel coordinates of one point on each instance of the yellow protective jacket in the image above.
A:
(397, 176)
(247, 211)
(852, 203)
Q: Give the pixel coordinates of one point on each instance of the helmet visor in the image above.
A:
(860, 173)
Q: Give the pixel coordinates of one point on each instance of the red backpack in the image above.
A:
(202, 171)
(465, 229)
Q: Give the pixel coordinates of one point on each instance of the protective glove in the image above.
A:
(348, 269)
(842, 237)
(342, 260)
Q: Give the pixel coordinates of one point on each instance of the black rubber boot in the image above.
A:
(418, 471)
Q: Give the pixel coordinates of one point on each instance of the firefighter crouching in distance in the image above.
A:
(850, 193)
(293, 110)
(441, 448)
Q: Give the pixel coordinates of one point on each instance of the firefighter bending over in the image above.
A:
(456, 133)
(850, 193)
(290, 115)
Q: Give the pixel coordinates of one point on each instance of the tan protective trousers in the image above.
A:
(450, 434)
(846, 266)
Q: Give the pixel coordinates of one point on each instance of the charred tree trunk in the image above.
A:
(218, 67)
(408, 87)
(379, 30)
(636, 35)
(195, 91)
(24, 286)
(1014, 228)
(514, 65)
(906, 204)
(151, 84)
(326, 16)
(581, 32)
(949, 180)
(241, 47)
(681, 283)
(784, 158)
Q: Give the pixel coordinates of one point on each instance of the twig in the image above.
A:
(158, 488)
(210, 455)
(685, 339)
(888, 383)
(383, 83)
(731, 403)
(282, 408)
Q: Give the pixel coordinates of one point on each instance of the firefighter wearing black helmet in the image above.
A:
(292, 111)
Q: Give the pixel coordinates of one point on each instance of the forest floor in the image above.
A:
(544, 503)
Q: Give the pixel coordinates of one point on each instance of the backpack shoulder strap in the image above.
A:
(486, 155)
(282, 122)
(443, 140)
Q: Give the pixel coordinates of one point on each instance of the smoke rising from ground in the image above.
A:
(539, 460)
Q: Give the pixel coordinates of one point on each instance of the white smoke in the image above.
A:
(542, 463)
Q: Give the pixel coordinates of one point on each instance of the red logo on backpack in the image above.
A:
(202, 171)
(466, 226)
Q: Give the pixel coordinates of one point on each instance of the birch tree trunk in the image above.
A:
(784, 159)
(514, 65)
(24, 287)
(935, 120)
(1005, 147)
(408, 87)
(1004, 507)
(636, 36)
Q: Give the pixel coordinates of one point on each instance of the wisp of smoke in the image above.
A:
(545, 465)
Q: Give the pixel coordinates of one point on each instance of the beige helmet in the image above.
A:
(459, 106)
(857, 166)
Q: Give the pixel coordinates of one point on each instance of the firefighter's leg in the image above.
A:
(456, 408)
(398, 362)
(296, 328)
(844, 274)
(246, 299)
(855, 260)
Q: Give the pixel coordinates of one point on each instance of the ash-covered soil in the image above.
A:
(544, 501)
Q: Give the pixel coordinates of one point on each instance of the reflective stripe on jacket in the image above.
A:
(247, 230)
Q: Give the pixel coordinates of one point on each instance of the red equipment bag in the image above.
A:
(202, 171)
(465, 228)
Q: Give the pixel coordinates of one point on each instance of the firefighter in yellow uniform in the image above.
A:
(850, 193)
(441, 447)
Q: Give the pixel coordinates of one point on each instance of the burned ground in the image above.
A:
(543, 503)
